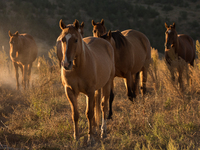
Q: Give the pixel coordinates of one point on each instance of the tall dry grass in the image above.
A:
(40, 117)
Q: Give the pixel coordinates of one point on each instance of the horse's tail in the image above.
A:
(97, 110)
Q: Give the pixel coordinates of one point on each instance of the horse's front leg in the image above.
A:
(111, 101)
(29, 74)
(180, 78)
(16, 74)
(136, 84)
(129, 85)
(24, 78)
(72, 97)
(104, 107)
(90, 114)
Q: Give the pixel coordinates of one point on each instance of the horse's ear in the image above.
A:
(109, 34)
(174, 25)
(76, 24)
(102, 21)
(82, 25)
(9, 33)
(93, 23)
(166, 26)
(16, 33)
(62, 25)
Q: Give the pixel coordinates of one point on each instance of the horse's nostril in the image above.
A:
(70, 63)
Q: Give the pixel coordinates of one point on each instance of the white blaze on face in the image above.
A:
(68, 36)
(169, 31)
(79, 30)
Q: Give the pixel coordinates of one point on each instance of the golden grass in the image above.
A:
(40, 117)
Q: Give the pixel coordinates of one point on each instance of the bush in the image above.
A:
(183, 15)
(167, 8)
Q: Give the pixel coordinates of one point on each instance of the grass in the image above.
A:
(40, 117)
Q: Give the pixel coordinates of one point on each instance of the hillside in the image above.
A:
(40, 18)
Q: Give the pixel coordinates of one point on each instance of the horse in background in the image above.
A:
(23, 52)
(178, 46)
(87, 65)
(98, 28)
(132, 58)
(58, 41)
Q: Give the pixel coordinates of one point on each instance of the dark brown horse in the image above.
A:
(87, 65)
(132, 57)
(58, 41)
(23, 52)
(178, 46)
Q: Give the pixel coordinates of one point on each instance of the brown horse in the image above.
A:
(58, 42)
(23, 52)
(87, 65)
(132, 57)
(98, 28)
(178, 46)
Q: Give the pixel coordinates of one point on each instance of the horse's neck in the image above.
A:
(176, 44)
(81, 58)
(21, 44)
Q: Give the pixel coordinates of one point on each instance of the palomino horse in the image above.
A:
(132, 57)
(23, 52)
(180, 45)
(87, 65)
(58, 42)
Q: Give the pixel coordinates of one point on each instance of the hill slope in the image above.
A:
(40, 18)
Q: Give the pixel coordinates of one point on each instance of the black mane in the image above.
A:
(120, 40)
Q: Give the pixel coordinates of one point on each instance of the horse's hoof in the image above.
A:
(103, 135)
(109, 116)
(90, 141)
(131, 99)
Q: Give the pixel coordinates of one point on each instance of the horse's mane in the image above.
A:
(120, 40)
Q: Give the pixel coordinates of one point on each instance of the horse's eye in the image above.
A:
(95, 31)
(76, 41)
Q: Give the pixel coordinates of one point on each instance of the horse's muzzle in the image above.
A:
(167, 46)
(67, 65)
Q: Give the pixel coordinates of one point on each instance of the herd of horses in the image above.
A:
(89, 65)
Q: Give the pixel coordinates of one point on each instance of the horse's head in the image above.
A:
(14, 44)
(170, 36)
(71, 41)
(98, 28)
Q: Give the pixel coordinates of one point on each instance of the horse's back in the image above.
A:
(101, 55)
(138, 38)
(186, 48)
(99, 46)
(140, 46)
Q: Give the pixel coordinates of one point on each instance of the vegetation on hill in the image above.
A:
(40, 18)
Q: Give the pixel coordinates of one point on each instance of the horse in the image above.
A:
(98, 28)
(178, 46)
(23, 52)
(58, 42)
(132, 57)
(87, 65)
